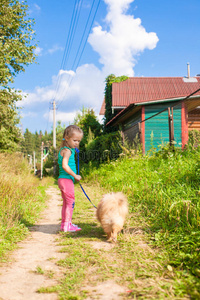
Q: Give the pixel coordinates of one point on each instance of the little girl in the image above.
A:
(67, 174)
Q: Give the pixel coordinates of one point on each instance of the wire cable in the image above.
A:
(76, 65)
(70, 38)
(74, 30)
(85, 31)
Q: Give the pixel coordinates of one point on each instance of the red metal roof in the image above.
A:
(146, 89)
(103, 108)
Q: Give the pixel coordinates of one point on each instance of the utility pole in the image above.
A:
(171, 126)
(30, 160)
(54, 135)
(42, 149)
(34, 161)
(54, 124)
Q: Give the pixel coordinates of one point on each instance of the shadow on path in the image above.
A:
(46, 228)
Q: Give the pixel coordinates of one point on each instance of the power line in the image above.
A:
(70, 37)
(73, 31)
(176, 104)
(69, 42)
(84, 45)
(85, 31)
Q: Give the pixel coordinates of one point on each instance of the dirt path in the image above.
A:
(34, 264)
(37, 254)
(35, 260)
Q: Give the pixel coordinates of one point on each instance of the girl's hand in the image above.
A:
(77, 177)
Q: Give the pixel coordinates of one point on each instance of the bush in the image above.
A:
(103, 148)
(194, 139)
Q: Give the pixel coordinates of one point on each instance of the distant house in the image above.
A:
(139, 98)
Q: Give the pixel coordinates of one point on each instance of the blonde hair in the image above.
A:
(69, 131)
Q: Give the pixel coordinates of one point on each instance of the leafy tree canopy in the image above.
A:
(16, 52)
(10, 134)
(108, 100)
(87, 121)
(16, 39)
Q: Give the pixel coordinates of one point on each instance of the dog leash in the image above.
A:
(77, 151)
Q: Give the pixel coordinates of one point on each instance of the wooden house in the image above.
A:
(140, 107)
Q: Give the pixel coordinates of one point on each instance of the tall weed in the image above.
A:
(165, 188)
(21, 200)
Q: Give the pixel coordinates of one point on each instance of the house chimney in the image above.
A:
(188, 78)
(188, 70)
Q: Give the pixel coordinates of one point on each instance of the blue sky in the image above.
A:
(128, 37)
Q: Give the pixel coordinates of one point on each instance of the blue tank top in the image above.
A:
(71, 163)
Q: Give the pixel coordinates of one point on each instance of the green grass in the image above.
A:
(22, 198)
(134, 263)
(164, 188)
(39, 270)
(157, 255)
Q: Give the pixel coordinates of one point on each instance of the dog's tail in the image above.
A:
(122, 204)
(121, 199)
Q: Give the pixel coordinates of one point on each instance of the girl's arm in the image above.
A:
(66, 154)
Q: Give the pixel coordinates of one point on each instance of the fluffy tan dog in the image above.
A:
(111, 213)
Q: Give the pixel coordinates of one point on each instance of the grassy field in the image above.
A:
(22, 198)
(157, 254)
(90, 261)
(142, 270)
(163, 188)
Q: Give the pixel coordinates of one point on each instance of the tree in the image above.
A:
(108, 100)
(16, 36)
(91, 127)
(10, 134)
(37, 144)
(88, 122)
(59, 134)
(16, 52)
(28, 142)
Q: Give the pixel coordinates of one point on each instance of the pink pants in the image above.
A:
(67, 190)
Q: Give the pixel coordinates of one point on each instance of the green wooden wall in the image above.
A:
(131, 121)
(157, 128)
(131, 127)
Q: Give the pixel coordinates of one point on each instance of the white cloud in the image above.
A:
(37, 7)
(126, 38)
(54, 49)
(38, 51)
(118, 47)
(29, 114)
(70, 89)
(64, 117)
(34, 8)
(39, 95)
(87, 86)
(118, 6)
(70, 72)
